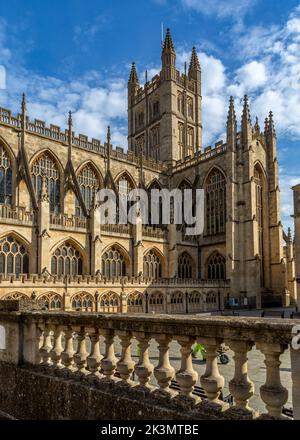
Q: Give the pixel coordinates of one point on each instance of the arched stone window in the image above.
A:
(184, 185)
(44, 165)
(216, 267)
(67, 260)
(156, 302)
(14, 257)
(89, 185)
(16, 295)
(124, 185)
(259, 191)
(113, 263)
(155, 186)
(190, 107)
(83, 302)
(5, 177)
(211, 301)
(135, 302)
(152, 266)
(215, 203)
(184, 266)
(109, 302)
(51, 301)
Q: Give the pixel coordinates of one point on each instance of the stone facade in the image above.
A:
(54, 248)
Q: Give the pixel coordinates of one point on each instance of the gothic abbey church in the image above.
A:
(54, 249)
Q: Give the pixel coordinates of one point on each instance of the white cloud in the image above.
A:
(220, 8)
(252, 75)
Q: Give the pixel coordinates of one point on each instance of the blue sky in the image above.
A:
(74, 54)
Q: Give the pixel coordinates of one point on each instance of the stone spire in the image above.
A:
(70, 134)
(246, 123)
(133, 77)
(289, 235)
(168, 58)
(108, 148)
(194, 68)
(23, 108)
(168, 44)
(231, 125)
(272, 131)
(194, 63)
(256, 126)
(266, 127)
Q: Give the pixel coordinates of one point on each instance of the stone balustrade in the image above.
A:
(81, 141)
(17, 215)
(65, 222)
(83, 347)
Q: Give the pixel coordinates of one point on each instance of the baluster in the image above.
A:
(211, 381)
(94, 359)
(272, 392)
(108, 364)
(143, 368)
(241, 387)
(67, 356)
(126, 364)
(81, 354)
(57, 347)
(164, 372)
(186, 376)
(47, 346)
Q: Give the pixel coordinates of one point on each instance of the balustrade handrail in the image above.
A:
(48, 342)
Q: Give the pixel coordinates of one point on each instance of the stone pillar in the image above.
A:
(296, 190)
(137, 231)
(43, 218)
(173, 253)
(96, 243)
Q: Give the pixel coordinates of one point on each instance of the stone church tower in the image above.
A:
(164, 116)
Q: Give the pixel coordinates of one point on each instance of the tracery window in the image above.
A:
(14, 257)
(152, 266)
(184, 266)
(190, 140)
(181, 140)
(215, 203)
(5, 178)
(190, 107)
(89, 185)
(124, 187)
(44, 165)
(216, 267)
(113, 263)
(180, 102)
(67, 260)
(83, 301)
(51, 301)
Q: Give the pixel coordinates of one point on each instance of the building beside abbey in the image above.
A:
(53, 247)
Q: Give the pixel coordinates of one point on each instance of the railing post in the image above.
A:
(272, 392)
(241, 388)
(164, 372)
(125, 365)
(186, 376)
(108, 364)
(143, 368)
(212, 382)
